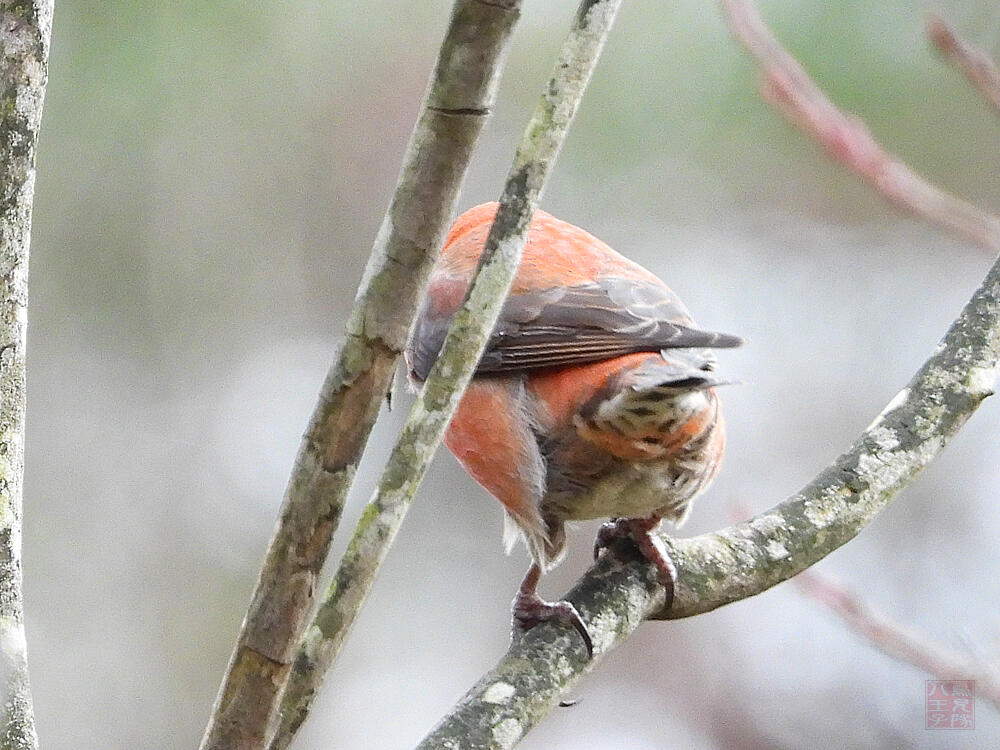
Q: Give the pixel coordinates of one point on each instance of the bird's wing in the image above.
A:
(574, 325)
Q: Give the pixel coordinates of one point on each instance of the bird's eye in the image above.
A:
(708, 366)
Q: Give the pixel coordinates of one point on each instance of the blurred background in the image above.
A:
(210, 180)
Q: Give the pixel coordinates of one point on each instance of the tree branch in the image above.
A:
(459, 97)
(847, 139)
(743, 560)
(462, 348)
(896, 641)
(25, 29)
(977, 66)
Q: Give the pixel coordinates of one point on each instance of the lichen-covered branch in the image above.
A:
(613, 598)
(25, 29)
(745, 559)
(462, 348)
(748, 558)
(458, 101)
(977, 66)
(898, 641)
(847, 139)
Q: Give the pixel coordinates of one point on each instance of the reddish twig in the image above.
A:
(897, 641)
(977, 66)
(847, 139)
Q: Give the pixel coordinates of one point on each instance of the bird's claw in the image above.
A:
(531, 609)
(640, 531)
(609, 533)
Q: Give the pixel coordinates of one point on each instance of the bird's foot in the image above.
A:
(640, 531)
(530, 609)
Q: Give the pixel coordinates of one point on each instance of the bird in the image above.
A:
(594, 398)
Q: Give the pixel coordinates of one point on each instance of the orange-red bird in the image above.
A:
(594, 397)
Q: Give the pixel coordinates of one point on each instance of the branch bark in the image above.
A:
(458, 101)
(745, 559)
(25, 29)
(975, 64)
(455, 366)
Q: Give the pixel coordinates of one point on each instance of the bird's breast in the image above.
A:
(630, 489)
(635, 458)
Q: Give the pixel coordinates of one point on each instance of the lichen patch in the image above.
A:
(498, 693)
(507, 732)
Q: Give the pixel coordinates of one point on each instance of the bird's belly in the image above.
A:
(632, 490)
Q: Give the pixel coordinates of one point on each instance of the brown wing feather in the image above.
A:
(574, 325)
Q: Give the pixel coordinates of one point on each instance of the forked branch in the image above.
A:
(847, 139)
(458, 100)
(460, 353)
(745, 559)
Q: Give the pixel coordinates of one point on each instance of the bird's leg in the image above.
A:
(529, 609)
(640, 531)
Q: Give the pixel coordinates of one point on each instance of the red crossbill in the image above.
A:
(594, 398)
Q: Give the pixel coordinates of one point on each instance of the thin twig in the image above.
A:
(458, 100)
(25, 29)
(745, 559)
(847, 139)
(451, 373)
(894, 640)
(977, 66)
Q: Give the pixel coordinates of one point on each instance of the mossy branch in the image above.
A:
(459, 98)
(462, 348)
(25, 29)
(621, 590)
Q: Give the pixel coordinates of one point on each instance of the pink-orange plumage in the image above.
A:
(594, 398)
